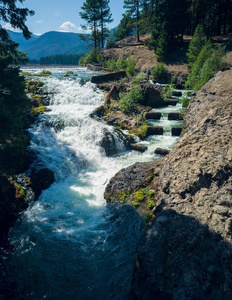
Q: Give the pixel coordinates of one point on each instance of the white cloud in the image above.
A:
(68, 26)
(39, 21)
(9, 27)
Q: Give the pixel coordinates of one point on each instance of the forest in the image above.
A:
(166, 20)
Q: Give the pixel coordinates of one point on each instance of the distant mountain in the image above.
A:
(50, 43)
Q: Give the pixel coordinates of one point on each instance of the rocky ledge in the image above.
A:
(187, 251)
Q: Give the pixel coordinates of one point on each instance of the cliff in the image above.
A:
(186, 253)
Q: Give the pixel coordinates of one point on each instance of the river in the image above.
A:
(69, 244)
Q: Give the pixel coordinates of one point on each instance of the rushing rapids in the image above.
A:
(68, 244)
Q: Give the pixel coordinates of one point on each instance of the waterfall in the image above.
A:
(68, 244)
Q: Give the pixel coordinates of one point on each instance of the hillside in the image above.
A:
(50, 43)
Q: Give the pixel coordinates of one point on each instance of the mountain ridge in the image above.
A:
(50, 43)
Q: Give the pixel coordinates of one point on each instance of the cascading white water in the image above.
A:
(69, 245)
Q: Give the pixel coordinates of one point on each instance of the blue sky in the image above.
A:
(54, 15)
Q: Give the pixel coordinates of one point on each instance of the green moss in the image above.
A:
(150, 204)
(123, 196)
(138, 196)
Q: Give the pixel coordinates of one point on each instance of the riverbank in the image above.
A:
(186, 252)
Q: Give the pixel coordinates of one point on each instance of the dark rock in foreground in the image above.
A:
(175, 116)
(176, 131)
(161, 151)
(153, 115)
(138, 147)
(153, 130)
(171, 102)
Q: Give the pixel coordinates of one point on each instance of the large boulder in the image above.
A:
(41, 179)
(152, 96)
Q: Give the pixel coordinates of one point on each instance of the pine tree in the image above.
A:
(90, 13)
(97, 14)
(133, 8)
(125, 27)
(196, 44)
(105, 17)
(16, 17)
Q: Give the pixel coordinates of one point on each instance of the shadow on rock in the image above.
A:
(178, 258)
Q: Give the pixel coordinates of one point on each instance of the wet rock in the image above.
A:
(138, 147)
(41, 180)
(175, 116)
(176, 131)
(98, 112)
(108, 77)
(152, 96)
(153, 130)
(177, 93)
(113, 142)
(161, 151)
(171, 102)
(153, 115)
(12, 202)
(129, 180)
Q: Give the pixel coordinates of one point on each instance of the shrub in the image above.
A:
(208, 62)
(130, 69)
(167, 91)
(159, 72)
(93, 56)
(45, 73)
(111, 64)
(196, 44)
(121, 63)
(128, 101)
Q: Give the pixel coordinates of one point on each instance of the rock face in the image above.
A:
(12, 202)
(187, 252)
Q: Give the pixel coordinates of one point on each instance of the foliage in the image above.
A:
(110, 42)
(125, 27)
(97, 14)
(121, 63)
(208, 62)
(133, 9)
(185, 99)
(128, 101)
(93, 56)
(195, 46)
(111, 64)
(60, 59)
(10, 13)
(45, 73)
(167, 91)
(70, 73)
(130, 69)
(159, 72)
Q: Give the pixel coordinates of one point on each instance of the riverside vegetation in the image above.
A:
(173, 197)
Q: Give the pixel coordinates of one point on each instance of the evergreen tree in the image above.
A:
(125, 27)
(105, 17)
(196, 44)
(97, 14)
(90, 13)
(14, 105)
(133, 8)
(10, 13)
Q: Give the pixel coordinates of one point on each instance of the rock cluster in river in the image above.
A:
(186, 253)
